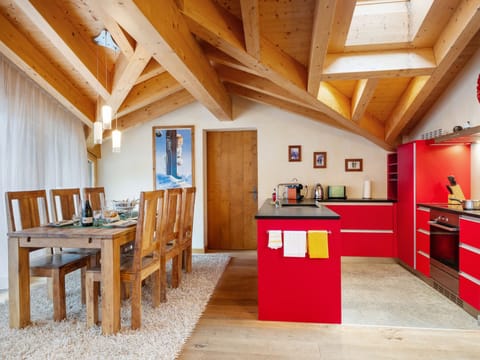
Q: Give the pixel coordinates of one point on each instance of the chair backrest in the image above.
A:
(147, 236)
(188, 205)
(171, 224)
(26, 209)
(65, 203)
(96, 196)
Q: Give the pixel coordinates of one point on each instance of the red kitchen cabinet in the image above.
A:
(423, 241)
(469, 258)
(423, 169)
(368, 229)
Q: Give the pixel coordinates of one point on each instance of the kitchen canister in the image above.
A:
(367, 189)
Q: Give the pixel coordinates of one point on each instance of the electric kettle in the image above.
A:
(318, 192)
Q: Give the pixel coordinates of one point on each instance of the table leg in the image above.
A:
(18, 284)
(110, 287)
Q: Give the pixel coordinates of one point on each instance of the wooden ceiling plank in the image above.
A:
(341, 24)
(380, 64)
(161, 28)
(322, 27)
(126, 73)
(149, 91)
(78, 51)
(19, 50)
(251, 26)
(460, 30)
(362, 95)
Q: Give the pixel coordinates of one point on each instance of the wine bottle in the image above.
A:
(87, 214)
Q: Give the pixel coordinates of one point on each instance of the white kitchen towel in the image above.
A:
(274, 239)
(294, 243)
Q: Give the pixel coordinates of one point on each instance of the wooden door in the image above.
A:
(231, 190)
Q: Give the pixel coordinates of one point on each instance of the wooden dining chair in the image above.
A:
(170, 234)
(96, 197)
(27, 209)
(144, 263)
(66, 203)
(188, 205)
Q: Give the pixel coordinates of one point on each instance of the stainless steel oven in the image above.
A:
(444, 248)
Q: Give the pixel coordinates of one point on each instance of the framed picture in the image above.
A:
(173, 156)
(319, 160)
(294, 153)
(353, 164)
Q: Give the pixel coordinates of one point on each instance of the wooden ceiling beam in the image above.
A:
(258, 84)
(292, 107)
(152, 69)
(161, 28)
(126, 74)
(149, 91)
(214, 25)
(362, 95)
(154, 110)
(322, 27)
(462, 27)
(379, 64)
(341, 24)
(79, 52)
(251, 26)
(20, 51)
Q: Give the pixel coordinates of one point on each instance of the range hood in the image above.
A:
(465, 136)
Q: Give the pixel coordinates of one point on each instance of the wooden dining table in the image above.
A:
(108, 240)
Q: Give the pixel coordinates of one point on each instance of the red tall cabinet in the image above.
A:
(423, 168)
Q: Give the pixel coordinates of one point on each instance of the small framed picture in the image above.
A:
(319, 160)
(294, 153)
(353, 164)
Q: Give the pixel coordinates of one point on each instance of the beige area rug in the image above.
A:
(386, 294)
(163, 333)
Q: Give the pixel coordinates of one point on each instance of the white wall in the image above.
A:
(457, 105)
(127, 173)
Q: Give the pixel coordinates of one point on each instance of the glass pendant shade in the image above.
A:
(97, 132)
(107, 117)
(116, 140)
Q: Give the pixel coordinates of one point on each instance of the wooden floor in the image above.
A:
(229, 329)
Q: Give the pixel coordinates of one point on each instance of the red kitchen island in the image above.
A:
(298, 289)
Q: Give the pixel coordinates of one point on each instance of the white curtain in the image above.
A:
(42, 145)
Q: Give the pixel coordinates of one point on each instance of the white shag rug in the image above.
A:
(164, 329)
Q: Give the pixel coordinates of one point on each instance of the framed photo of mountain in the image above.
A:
(173, 156)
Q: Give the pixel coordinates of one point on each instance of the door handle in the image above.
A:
(254, 192)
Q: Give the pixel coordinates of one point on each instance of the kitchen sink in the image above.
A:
(299, 203)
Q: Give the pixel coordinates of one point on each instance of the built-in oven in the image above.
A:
(444, 248)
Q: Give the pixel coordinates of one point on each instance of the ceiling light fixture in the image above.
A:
(105, 39)
(97, 132)
(116, 138)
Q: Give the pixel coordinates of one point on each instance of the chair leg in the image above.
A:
(92, 289)
(155, 282)
(175, 272)
(163, 280)
(82, 283)
(136, 305)
(179, 268)
(59, 306)
(188, 259)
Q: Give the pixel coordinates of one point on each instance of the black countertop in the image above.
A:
(305, 209)
(456, 209)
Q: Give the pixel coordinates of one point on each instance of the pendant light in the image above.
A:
(97, 132)
(107, 117)
(116, 138)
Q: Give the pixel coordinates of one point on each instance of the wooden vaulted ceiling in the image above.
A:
(371, 67)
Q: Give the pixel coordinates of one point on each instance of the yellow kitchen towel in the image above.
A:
(317, 244)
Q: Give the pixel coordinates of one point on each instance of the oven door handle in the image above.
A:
(443, 227)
